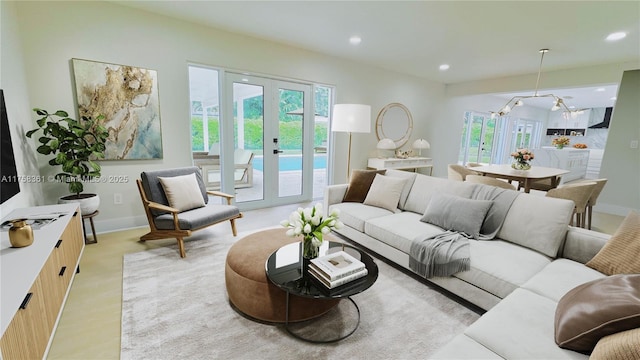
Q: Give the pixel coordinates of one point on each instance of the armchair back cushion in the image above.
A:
(153, 188)
(182, 192)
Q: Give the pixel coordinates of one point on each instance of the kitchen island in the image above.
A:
(571, 159)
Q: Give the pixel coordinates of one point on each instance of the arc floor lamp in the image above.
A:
(351, 118)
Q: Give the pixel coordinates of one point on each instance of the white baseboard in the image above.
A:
(613, 209)
(118, 224)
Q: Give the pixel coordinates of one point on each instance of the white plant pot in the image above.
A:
(89, 203)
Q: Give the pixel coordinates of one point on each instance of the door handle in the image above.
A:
(276, 151)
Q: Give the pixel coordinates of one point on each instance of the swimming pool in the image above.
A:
(292, 162)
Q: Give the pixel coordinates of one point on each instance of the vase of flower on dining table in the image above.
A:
(521, 158)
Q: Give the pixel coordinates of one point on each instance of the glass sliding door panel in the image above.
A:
(486, 148)
(290, 129)
(205, 123)
(248, 141)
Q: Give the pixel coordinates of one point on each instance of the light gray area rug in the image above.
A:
(175, 308)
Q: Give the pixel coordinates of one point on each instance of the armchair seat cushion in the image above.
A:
(198, 218)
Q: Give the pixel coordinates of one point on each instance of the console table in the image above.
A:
(411, 163)
(36, 279)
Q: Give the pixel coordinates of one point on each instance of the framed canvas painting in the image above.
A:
(127, 96)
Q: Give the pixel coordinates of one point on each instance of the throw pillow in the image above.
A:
(624, 345)
(620, 254)
(359, 184)
(596, 309)
(183, 192)
(385, 192)
(456, 213)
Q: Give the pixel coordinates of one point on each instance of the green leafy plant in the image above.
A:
(74, 145)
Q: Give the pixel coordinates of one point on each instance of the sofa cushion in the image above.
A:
(596, 309)
(619, 346)
(620, 254)
(398, 230)
(183, 192)
(355, 214)
(425, 186)
(452, 212)
(520, 327)
(410, 177)
(560, 276)
(500, 267)
(359, 184)
(385, 192)
(537, 222)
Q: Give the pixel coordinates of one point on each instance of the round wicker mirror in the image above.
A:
(394, 122)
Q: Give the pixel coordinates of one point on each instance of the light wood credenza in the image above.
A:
(36, 280)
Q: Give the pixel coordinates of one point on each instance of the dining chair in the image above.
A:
(487, 180)
(459, 172)
(594, 197)
(579, 193)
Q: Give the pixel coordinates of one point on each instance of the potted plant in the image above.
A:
(74, 145)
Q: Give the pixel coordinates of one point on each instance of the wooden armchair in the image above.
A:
(166, 221)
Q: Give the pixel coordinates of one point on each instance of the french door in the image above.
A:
(477, 143)
(267, 130)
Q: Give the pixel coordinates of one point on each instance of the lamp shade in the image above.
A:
(386, 144)
(421, 144)
(351, 118)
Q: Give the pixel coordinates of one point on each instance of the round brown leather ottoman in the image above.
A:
(251, 292)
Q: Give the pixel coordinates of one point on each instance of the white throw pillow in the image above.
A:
(183, 192)
(385, 192)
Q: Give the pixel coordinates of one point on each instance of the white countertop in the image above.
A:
(19, 267)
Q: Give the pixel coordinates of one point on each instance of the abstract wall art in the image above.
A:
(127, 96)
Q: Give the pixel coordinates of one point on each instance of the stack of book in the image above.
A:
(336, 269)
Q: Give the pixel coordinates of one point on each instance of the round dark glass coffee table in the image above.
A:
(285, 269)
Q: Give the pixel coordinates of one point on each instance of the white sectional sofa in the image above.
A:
(519, 277)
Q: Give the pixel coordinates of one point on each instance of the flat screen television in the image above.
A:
(9, 184)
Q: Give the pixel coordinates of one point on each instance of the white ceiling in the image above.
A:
(478, 39)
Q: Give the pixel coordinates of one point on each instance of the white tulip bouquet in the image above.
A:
(312, 225)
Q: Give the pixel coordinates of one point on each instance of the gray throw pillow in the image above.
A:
(457, 213)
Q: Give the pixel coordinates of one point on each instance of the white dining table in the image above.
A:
(526, 177)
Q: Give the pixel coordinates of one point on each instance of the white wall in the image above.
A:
(621, 163)
(52, 33)
(13, 82)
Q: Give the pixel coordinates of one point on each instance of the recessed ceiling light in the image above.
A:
(616, 36)
(245, 79)
(600, 89)
(355, 40)
(444, 67)
(614, 98)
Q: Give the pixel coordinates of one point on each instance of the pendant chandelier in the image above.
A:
(558, 102)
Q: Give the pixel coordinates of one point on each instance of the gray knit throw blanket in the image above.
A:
(441, 255)
(448, 253)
